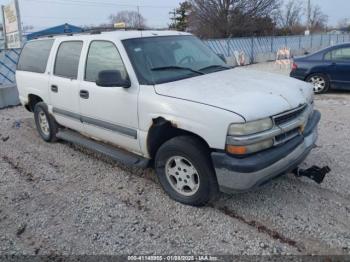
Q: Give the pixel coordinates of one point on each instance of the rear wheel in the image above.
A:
(320, 83)
(184, 169)
(45, 123)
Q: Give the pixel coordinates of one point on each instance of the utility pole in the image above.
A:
(138, 17)
(173, 18)
(309, 15)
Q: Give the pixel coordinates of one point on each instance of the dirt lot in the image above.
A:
(62, 199)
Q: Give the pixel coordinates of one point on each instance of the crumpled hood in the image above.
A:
(251, 94)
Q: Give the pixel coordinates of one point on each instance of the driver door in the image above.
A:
(108, 113)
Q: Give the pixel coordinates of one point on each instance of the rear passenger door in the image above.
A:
(31, 74)
(109, 113)
(64, 84)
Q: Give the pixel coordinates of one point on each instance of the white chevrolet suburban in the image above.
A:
(164, 99)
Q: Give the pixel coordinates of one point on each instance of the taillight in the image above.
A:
(294, 66)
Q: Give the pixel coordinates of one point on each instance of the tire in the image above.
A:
(320, 82)
(184, 170)
(47, 130)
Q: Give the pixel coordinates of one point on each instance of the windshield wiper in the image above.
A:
(176, 68)
(215, 66)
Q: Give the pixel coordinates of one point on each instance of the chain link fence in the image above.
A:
(263, 49)
(8, 90)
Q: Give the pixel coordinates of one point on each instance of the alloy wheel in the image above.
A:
(319, 83)
(182, 176)
(44, 123)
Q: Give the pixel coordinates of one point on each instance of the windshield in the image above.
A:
(165, 59)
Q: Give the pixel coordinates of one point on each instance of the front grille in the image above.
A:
(287, 136)
(289, 116)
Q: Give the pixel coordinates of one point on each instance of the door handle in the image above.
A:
(84, 94)
(54, 88)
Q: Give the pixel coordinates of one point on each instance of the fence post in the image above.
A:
(285, 41)
(228, 47)
(311, 42)
(337, 38)
(252, 51)
(272, 40)
(321, 40)
(330, 39)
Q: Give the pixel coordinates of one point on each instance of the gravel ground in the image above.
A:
(62, 199)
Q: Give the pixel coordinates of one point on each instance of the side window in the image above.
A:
(35, 55)
(103, 55)
(342, 54)
(328, 56)
(67, 59)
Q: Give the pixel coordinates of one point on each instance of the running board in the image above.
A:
(115, 153)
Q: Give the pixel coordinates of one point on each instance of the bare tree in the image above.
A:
(225, 18)
(260, 8)
(130, 18)
(318, 19)
(211, 18)
(288, 17)
(290, 14)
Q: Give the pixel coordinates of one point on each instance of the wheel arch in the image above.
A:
(315, 72)
(162, 130)
(32, 101)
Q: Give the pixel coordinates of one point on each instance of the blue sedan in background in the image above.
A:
(326, 69)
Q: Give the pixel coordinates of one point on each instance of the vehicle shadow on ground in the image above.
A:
(334, 92)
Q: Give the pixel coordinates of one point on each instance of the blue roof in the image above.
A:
(61, 29)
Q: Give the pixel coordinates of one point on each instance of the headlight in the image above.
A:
(250, 127)
(249, 149)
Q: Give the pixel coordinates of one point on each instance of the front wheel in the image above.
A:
(320, 83)
(185, 171)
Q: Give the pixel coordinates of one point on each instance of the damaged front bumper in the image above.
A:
(242, 174)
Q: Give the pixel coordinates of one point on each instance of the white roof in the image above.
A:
(138, 34)
(119, 34)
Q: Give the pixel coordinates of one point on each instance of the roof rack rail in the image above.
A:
(112, 28)
(97, 30)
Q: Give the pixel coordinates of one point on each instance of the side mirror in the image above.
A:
(112, 78)
(222, 57)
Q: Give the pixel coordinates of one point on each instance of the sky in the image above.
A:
(46, 13)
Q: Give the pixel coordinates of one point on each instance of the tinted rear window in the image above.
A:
(67, 59)
(35, 55)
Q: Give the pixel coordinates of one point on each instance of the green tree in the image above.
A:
(180, 17)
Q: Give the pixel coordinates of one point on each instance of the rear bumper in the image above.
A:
(298, 75)
(242, 174)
